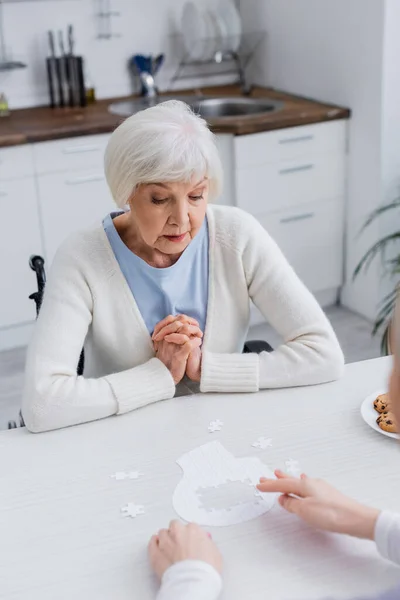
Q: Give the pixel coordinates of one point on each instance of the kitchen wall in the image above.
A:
(333, 50)
(142, 27)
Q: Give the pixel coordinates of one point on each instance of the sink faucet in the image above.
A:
(148, 84)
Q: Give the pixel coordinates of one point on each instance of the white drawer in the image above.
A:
(287, 144)
(70, 154)
(71, 202)
(292, 183)
(16, 162)
(311, 237)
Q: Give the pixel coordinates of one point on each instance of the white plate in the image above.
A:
(212, 41)
(369, 414)
(228, 12)
(221, 32)
(194, 31)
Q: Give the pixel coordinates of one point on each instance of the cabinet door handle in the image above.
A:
(294, 140)
(301, 217)
(84, 179)
(80, 149)
(296, 169)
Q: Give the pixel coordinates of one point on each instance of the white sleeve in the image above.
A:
(190, 580)
(310, 353)
(54, 396)
(387, 536)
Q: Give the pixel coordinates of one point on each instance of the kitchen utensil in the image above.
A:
(62, 60)
(81, 81)
(228, 12)
(72, 69)
(52, 70)
(157, 63)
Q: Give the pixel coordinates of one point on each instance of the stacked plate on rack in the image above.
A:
(208, 31)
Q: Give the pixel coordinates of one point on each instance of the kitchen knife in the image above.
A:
(51, 63)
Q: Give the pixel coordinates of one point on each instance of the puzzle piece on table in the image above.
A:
(293, 467)
(215, 426)
(121, 475)
(132, 510)
(262, 443)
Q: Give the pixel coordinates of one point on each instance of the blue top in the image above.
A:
(181, 288)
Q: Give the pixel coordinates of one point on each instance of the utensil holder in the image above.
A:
(66, 81)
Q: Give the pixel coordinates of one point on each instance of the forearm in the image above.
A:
(306, 358)
(53, 399)
(190, 579)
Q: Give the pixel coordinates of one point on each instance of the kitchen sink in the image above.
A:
(220, 108)
(209, 108)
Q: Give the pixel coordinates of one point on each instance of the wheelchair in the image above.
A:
(36, 263)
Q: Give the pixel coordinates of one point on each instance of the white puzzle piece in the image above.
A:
(218, 489)
(132, 510)
(293, 467)
(215, 426)
(262, 443)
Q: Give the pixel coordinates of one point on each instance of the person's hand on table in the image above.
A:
(178, 330)
(321, 505)
(182, 542)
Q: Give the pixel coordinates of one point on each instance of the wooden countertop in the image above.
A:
(43, 123)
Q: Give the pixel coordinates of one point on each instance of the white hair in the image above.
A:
(167, 142)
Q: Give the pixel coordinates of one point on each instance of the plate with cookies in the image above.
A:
(377, 413)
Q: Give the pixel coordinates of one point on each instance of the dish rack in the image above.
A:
(218, 60)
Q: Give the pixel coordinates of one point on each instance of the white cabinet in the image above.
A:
(16, 162)
(294, 182)
(19, 238)
(311, 237)
(70, 154)
(288, 184)
(70, 202)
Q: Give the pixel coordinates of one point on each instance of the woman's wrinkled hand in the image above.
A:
(175, 355)
(169, 329)
(321, 505)
(182, 542)
(178, 330)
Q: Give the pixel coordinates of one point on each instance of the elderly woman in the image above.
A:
(189, 564)
(159, 293)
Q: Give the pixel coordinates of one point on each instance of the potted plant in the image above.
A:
(392, 270)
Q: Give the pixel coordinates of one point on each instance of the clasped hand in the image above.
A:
(177, 343)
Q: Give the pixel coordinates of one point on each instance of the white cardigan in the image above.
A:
(87, 300)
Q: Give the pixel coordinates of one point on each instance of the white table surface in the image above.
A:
(62, 535)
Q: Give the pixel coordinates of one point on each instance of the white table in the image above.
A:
(62, 535)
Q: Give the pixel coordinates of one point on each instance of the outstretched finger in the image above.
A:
(283, 486)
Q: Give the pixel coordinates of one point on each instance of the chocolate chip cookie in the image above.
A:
(382, 404)
(387, 422)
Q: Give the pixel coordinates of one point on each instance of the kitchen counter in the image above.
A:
(43, 123)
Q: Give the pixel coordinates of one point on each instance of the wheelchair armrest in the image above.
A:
(256, 347)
